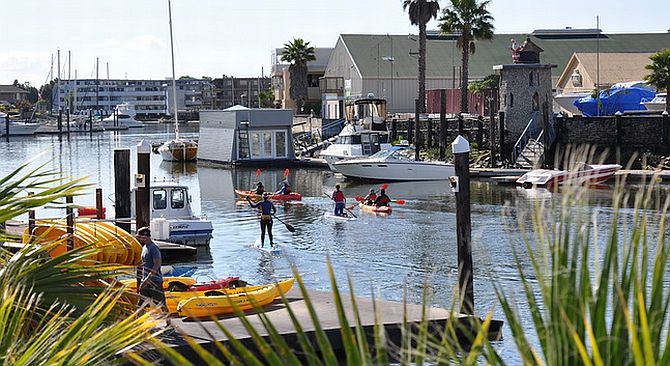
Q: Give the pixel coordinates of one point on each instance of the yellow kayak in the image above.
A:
(244, 298)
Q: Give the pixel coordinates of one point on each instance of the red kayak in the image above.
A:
(230, 282)
(376, 209)
(275, 197)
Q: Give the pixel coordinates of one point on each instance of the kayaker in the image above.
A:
(370, 198)
(151, 277)
(260, 189)
(382, 199)
(340, 200)
(267, 211)
(285, 188)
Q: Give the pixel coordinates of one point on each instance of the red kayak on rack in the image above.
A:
(376, 209)
(293, 196)
(229, 282)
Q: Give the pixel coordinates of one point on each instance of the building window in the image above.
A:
(530, 80)
(536, 102)
(511, 100)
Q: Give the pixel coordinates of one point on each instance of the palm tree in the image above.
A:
(420, 13)
(298, 53)
(47, 315)
(660, 74)
(472, 22)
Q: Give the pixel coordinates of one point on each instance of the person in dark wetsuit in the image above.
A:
(370, 198)
(340, 200)
(382, 199)
(260, 189)
(267, 211)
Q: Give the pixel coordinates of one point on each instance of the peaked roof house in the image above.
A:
(386, 65)
(585, 72)
(10, 94)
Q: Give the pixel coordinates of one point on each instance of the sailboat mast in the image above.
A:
(174, 79)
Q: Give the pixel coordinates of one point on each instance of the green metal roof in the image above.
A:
(365, 50)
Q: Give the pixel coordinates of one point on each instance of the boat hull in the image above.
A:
(395, 171)
(551, 178)
(179, 150)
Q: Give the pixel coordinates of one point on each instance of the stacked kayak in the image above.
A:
(375, 209)
(293, 196)
(116, 245)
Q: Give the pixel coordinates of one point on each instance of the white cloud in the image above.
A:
(146, 42)
(24, 66)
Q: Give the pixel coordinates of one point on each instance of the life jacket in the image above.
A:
(371, 197)
(260, 190)
(382, 200)
(338, 196)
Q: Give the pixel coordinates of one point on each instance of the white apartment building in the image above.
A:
(152, 98)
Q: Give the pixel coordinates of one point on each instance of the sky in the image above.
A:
(217, 37)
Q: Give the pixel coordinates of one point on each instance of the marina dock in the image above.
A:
(206, 332)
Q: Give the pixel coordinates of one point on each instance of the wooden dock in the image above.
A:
(206, 332)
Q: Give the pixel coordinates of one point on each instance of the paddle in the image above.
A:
(345, 207)
(288, 226)
(286, 172)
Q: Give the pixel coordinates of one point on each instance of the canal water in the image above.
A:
(413, 247)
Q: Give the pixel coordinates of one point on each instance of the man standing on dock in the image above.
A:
(151, 280)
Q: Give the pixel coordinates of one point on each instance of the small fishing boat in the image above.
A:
(293, 196)
(242, 298)
(581, 174)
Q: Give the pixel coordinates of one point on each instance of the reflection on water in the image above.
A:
(413, 246)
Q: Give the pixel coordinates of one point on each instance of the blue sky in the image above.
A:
(215, 37)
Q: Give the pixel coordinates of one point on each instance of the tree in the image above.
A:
(472, 22)
(298, 53)
(660, 73)
(420, 13)
(267, 98)
(46, 91)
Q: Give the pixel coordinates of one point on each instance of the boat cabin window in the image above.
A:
(160, 199)
(178, 198)
(349, 140)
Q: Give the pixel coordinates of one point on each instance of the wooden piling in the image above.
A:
(67, 123)
(69, 219)
(99, 214)
(122, 187)
(443, 124)
(417, 128)
(142, 203)
(60, 123)
(7, 127)
(31, 221)
(501, 137)
(492, 131)
(90, 125)
(461, 127)
(461, 150)
(394, 130)
(429, 140)
(480, 132)
(665, 120)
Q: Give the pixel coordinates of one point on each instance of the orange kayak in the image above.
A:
(275, 197)
(375, 209)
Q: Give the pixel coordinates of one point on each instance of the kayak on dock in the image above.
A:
(244, 298)
(293, 196)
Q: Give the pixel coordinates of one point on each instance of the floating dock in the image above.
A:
(206, 332)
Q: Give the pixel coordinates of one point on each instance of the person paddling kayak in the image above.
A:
(285, 188)
(370, 198)
(340, 199)
(260, 189)
(382, 199)
(267, 211)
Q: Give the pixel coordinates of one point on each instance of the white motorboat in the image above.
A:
(656, 104)
(395, 164)
(567, 101)
(123, 117)
(172, 218)
(365, 134)
(177, 149)
(581, 174)
(17, 128)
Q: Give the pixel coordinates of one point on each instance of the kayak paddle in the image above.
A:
(288, 226)
(400, 202)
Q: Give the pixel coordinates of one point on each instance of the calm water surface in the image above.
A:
(416, 245)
